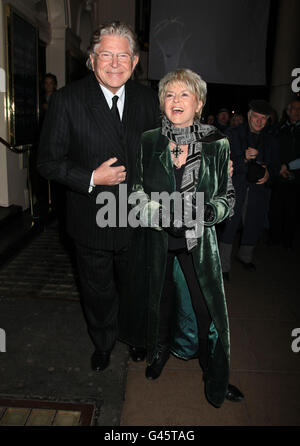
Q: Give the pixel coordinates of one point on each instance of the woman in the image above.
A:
(179, 301)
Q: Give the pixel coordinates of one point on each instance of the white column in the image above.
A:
(56, 51)
(56, 54)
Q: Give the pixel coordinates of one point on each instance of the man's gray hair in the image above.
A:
(185, 76)
(115, 28)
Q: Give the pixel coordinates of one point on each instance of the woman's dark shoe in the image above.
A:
(154, 370)
(137, 354)
(234, 394)
(100, 360)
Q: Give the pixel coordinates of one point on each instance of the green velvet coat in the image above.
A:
(139, 308)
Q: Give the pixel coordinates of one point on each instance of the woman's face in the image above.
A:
(181, 105)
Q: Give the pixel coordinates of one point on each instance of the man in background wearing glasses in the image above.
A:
(89, 143)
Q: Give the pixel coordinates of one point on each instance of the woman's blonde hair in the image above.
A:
(185, 76)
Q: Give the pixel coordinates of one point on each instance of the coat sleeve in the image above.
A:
(54, 161)
(142, 205)
(219, 200)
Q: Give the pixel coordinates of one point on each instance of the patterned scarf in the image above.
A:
(192, 135)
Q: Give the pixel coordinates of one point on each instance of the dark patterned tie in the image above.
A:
(114, 108)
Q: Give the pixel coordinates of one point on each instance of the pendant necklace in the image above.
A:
(176, 152)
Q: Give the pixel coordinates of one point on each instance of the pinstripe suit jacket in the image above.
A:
(79, 133)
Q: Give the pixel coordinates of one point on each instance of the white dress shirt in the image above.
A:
(109, 95)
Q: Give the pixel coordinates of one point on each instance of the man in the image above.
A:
(89, 143)
(50, 86)
(284, 211)
(249, 143)
(223, 119)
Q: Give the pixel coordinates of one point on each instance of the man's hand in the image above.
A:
(284, 172)
(106, 175)
(265, 178)
(251, 153)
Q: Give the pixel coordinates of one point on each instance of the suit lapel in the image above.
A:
(130, 110)
(131, 137)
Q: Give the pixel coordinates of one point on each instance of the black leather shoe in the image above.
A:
(137, 354)
(234, 394)
(225, 276)
(154, 370)
(249, 266)
(100, 360)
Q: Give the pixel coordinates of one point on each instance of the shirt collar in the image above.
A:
(109, 95)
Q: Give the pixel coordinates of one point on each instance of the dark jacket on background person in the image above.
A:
(240, 139)
(284, 215)
(289, 140)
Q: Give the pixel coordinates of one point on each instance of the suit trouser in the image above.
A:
(102, 275)
(198, 302)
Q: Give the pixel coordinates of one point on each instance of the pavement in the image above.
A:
(48, 349)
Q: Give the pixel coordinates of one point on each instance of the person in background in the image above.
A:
(255, 156)
(223, 119)
(236, 120)
(273, 126)
(56, 192)
(49, 87)
(284, 214)
(210, 119)
(40, 186)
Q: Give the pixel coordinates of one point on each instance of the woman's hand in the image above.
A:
(173, 227)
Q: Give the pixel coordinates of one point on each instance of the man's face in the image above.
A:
(257, 121)
(111, 71)
(49, 85)
(223, 118)
(294, 112)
